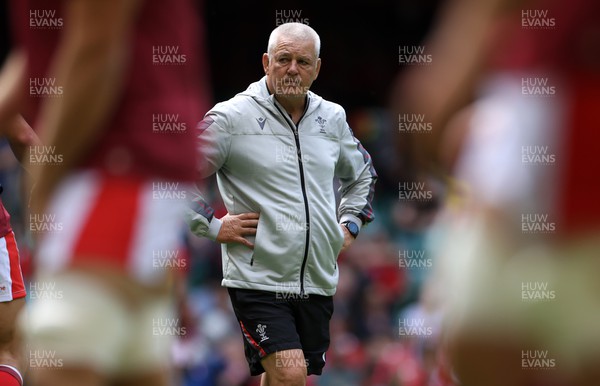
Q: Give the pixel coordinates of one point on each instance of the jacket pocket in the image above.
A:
(340, 240)
(258, 244)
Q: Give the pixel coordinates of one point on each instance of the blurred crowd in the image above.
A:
(387, 325)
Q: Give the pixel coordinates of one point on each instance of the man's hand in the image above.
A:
(236, 226)
(348, 239)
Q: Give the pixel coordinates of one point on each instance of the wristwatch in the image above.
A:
(352, 228)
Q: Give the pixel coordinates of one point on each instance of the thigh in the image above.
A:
(267, 326)
(10, 337)
(286, 367)
(312, 317)
(8, 316)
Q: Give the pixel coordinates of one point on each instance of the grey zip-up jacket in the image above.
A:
(267, 164)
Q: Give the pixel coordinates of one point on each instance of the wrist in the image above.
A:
(213, 228)
(351, 227)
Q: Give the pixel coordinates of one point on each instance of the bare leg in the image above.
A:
(263, 380)
(284, 368)
(10, 341)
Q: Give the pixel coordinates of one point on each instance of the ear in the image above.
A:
(265, 62)
(318, 68)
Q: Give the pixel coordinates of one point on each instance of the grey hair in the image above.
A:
(294, 30)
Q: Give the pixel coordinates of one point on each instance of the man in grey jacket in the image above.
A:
(276, 149)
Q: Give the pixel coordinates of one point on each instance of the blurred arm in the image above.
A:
(213, 145)
(357, 180)
(13, 127)
(21, 138)
(458, 45)
(89, 63)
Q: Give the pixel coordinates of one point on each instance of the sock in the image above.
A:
(9, 376)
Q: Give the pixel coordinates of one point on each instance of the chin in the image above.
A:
(293, 95)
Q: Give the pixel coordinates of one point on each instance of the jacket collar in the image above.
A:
(260, 93)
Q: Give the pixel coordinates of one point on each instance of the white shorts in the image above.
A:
(548, 294)
(79, 322)
(11, 278)
(130, 226)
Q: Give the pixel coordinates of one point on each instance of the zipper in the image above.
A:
(294, 128)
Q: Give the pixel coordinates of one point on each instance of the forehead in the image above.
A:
(295, 46)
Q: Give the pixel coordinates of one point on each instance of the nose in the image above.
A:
(293, 68)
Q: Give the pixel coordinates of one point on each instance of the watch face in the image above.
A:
(352, 228)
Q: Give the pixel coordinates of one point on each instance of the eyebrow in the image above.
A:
(300, 57)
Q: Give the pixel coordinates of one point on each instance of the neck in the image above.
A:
(293, 104)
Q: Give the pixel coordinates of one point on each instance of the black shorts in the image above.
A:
(270, 323)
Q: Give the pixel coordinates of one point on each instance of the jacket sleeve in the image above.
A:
(213, 144)
(357, 178)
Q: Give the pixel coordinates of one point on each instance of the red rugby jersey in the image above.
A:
(164, 95)
(561, 39)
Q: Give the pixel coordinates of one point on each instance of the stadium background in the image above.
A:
(360, 43)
